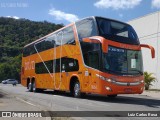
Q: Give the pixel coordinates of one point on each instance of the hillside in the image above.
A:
(14, 35)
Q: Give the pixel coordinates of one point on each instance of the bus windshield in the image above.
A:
(117, 31)
(122, 61)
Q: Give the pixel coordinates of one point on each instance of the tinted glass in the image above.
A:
(53, 66)
(68, 36)
(117, 31)
(46, 43)
(91, 54)
(69, 64)
(86, 28)
(91, 51)
(28, 51)
(44, 67)
(123, 61)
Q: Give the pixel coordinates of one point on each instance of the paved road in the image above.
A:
(9, 102)
(63, 102)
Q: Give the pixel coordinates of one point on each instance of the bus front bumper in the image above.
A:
(122, 88)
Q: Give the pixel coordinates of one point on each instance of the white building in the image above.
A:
(148, 30)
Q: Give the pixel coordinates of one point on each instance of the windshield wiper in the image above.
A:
(140, 72)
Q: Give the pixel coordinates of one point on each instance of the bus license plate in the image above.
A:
(128, 90)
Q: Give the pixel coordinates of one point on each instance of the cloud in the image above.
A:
(15, 17)
(156, 3)
(59, 15)
(117, 4)
(120, 15)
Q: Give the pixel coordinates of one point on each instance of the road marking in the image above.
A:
(57, 95)
(47, 118)
(25, 101)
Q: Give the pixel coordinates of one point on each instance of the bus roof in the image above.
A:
(93, 17)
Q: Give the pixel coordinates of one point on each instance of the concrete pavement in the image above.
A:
(63, 102)
(155, 94)
(11, 103)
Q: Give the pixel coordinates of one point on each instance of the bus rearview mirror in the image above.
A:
(150, 47)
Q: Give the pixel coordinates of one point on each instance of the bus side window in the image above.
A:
(40, 68)
(59, 38)
(28, 51)
(86, 28)
(25, 52)
(46, 43)
(50, 42)
(57, 65)
(69, 64)
(91, 54)
(68, 36)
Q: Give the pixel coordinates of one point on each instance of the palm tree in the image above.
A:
(148, 79)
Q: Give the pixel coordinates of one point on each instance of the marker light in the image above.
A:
(142, 81)
(108, 88)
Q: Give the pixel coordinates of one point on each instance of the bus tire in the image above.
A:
(30, 87)
(112, 96)
(40, 90)
(76, 90)
(56, 91)
(83, 95)
(34, 87)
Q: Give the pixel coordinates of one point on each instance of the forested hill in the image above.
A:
(14, 35)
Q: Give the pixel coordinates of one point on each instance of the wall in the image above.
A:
(148, 30)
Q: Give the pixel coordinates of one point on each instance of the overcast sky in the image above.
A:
(67, 11)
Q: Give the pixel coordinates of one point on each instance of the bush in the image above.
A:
(148, 79)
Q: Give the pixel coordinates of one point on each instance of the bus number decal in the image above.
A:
(29, 65)
(94, 87)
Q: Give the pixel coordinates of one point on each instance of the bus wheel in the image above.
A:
(112, 96)
(76, 90)
(56, 91)
(34, 87)
(83, 95)
(30, 87)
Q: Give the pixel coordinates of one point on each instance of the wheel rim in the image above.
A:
(29, 86)
(76, 89)
(34, 87)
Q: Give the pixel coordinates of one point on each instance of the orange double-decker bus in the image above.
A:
(94, 55)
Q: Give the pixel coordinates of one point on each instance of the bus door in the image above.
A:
(91, 56)
(93, 60)
(57, 61)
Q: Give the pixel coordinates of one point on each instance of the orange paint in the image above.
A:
(91, 80)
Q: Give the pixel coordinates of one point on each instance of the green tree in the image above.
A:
(14, 35)
(148, 78)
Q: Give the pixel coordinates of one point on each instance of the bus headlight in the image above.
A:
(106, 79)
(108, 88)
